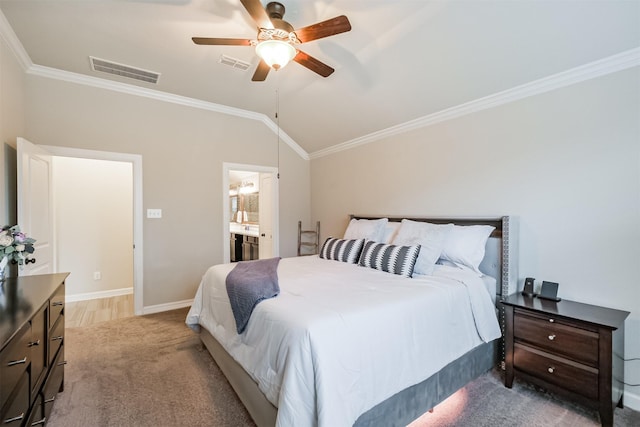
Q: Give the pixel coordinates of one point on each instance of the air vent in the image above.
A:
(105, 66)
(234, 62)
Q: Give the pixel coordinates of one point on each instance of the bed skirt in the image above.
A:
(398, 410)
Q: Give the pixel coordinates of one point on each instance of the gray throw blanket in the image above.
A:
(249, 283)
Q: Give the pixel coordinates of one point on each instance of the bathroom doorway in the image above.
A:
(250, 212)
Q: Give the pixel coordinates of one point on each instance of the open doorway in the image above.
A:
(129, 168)
(250, 212)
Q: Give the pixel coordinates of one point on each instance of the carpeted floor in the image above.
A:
(143, 371)
(153, 371)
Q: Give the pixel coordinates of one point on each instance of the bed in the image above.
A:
(348, 345)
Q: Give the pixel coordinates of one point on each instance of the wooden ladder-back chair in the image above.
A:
(308, 240)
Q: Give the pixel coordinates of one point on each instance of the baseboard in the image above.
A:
(632, 400)
(150, 309)
(97, 295)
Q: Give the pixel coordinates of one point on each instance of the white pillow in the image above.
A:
(390, 231)
(430, 237)
(369, 229)
(465, 246)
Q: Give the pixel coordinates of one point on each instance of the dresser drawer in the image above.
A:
(38, 346)
(14, 360)
(569, 375)
(17, 409)
(557, 336)
(54, 383)
(56, 337)
(56, 305)
(36, 416)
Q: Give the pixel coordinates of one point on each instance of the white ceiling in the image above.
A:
(401, 61)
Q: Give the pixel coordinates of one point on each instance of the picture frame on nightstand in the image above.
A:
(528, 287)
(549, 291)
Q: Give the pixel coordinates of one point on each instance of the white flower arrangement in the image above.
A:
(15, 247)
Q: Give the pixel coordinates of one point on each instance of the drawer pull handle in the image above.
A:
(57, 303)
(550, 369)
(62, 363)
(552, 337)
(58, 338)
(34, 343)
(18, 362)
(42, 421)
(18, 418)
(50, 400)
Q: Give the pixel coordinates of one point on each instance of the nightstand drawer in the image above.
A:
(557, 337)
(578, 378)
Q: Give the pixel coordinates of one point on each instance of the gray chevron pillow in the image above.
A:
(344, 250)
(390, 258)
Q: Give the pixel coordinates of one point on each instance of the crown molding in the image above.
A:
(14, 44)
(611, 64)
(10, 38)
(82, 79)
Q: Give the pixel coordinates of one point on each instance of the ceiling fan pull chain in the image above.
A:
(278, 122)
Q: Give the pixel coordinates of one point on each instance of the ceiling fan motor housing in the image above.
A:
(275, 10)
(282, 30)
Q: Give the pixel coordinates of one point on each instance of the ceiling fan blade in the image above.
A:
(330, 27)
(313, 64)
(258, 13)
(261, 72)
(224, 42)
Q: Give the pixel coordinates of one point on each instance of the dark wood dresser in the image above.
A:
(31, 347)
(568, 348)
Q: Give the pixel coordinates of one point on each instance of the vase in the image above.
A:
(4, 267)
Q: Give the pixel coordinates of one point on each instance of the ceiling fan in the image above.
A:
(277, 41)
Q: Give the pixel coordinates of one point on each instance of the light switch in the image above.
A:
(154, 213)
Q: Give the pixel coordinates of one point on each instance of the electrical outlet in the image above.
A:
(154, 213)
(97, 275)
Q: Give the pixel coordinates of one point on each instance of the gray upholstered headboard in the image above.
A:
(500, 256)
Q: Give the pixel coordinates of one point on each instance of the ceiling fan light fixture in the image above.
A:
(275, 53)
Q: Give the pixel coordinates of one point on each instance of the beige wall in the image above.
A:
(566, 163)
(11, 126)
(182, 150)
(94, 224)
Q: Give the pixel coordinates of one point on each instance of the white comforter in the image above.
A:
(340, 338)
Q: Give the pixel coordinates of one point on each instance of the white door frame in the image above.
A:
(226, 167)
(136, 162)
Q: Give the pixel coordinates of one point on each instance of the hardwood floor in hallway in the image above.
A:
(85, 313)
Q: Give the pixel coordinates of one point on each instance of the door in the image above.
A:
(265, 247)
(35, 203)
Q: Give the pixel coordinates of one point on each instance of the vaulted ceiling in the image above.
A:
(401, 61)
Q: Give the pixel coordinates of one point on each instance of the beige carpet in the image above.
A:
(153, 371)
(143, 371)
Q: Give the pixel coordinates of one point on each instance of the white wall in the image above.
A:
(566, 163)
(183, 150)
(12, 87)
(94, 224)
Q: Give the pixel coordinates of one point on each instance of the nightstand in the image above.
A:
(569, 348)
